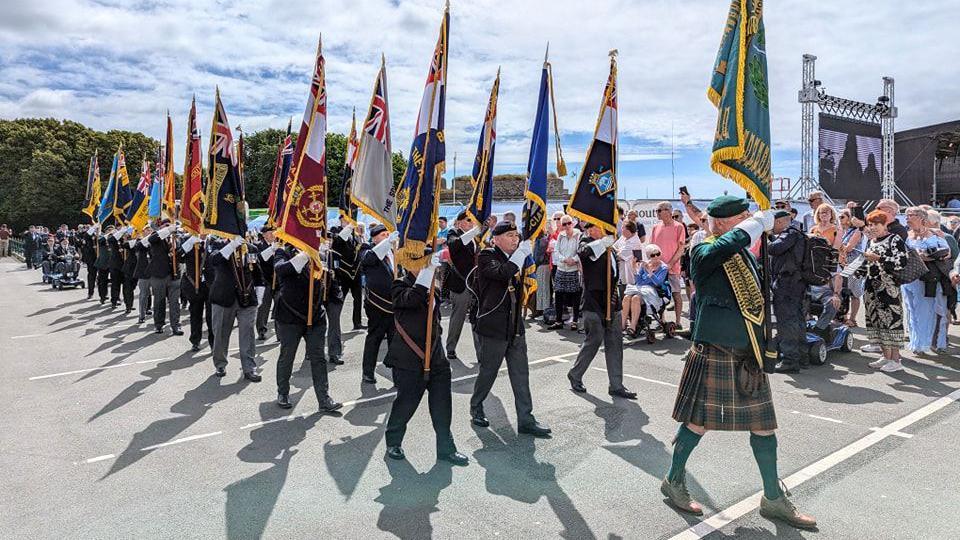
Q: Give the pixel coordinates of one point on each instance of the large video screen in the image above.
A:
(850, 158)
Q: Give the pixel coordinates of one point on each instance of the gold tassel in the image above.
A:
(561, 166)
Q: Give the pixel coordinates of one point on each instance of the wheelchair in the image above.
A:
(652, 322)
(65, 272)
(837, 336)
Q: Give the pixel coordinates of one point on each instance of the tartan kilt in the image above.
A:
(708, 394)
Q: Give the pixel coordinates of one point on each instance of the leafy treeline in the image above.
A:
(43, 167)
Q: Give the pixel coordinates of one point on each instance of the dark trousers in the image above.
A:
(410, 388)
(103, 283)
(791, 329)
(334, 339)
(263, 311)
(611, 336)
(199, 311)
(490, 355)
(289, 335)
(129, 286)
(28, 257)
(565, 300)
(91, 279)
(356, 292)
(380, 327)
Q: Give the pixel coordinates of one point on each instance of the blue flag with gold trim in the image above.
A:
(480, 204)
(740, 91)
(418, 198)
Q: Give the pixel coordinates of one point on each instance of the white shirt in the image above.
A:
(566, 247)
(625, 248)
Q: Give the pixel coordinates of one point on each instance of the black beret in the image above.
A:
(503, 227)
(782, 214)
(267, 228)
(462, 216)
(376, 229)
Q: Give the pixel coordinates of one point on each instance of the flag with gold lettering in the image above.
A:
(191, 198)
(481, 200)
(224, 213)
(739, 88)
(92, 198)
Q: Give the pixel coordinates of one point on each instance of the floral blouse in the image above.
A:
(893, 257)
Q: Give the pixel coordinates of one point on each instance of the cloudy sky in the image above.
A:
(115, 64)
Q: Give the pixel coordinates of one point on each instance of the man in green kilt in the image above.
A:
(723, 386)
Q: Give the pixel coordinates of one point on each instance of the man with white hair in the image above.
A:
(815, 198)
(891, 209)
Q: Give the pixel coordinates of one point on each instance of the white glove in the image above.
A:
(345, 232)
(520, 255)
(299, 261)
(383, 247)
(425, 277)
(189, 242)
(259, 291)
(118, 233)
(601, 245)
(232, 246)
(753, 226)
(468, 236)
(129, 229)
(766, 217)
(267, 253)
(132, 243)
(92, 230)
(145, 241)
(166, 231)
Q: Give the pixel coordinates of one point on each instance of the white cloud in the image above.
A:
(121, 65)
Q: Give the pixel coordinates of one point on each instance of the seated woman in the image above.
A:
(653, 280)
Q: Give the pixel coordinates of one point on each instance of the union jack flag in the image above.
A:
(144, 185)
(378, 119)
(222, 144)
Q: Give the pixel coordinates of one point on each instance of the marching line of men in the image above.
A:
(228, 281)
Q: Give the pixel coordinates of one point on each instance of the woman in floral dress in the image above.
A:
(882, 298)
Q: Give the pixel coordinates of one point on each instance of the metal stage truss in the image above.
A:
(883, 112)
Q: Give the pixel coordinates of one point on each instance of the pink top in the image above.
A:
(670, 239)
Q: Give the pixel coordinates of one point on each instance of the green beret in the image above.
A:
(727, 206)
(781, 214)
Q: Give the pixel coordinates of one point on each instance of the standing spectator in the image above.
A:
(953, 224)
(891, 209)
(815, 198)
(925, 299)
(442, 230)
(632, 216)
(852, 243)
(4, 240)
(784, 204)
(951, 291)
(566, 281)
(624, 247)
(884, 313)
(671, 236)
(828, 295)
(541, 258)
(510, 217)
(31, 243)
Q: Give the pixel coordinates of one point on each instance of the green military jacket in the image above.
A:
(721, 319)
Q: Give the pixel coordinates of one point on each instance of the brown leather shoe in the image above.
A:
(783, 509)
(679, 497)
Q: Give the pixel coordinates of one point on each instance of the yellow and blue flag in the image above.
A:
(138, 214)
(418, 198)
(594, 199)
(224, 212)
(124, 195)
(739, 89)
(482, 197)
(156, 191)
(92, 198)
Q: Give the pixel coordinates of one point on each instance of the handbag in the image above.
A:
(912, 270)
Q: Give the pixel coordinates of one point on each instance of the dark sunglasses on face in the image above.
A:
(657, 254)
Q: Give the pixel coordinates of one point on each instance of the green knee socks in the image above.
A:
(683, 445)
(765, 452)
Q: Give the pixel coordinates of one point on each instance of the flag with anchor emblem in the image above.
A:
(740, 92)
(419, 195)
(224, 213)
(304, 221)
(594, 200)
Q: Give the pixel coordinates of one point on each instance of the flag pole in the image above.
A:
(428, 346)
(310, 295)
(613, 167)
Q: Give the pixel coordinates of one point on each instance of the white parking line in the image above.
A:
(181, 440)
(87, 370)
(99, 458)
(725, 517)
(815, 417)
(27, 336)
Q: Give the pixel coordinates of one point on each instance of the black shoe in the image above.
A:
(103, 301)
(359, 327)
(89, 296)
(335, 360)
(127, 311)
(251, 376)
(141, 320)
(479, 420)
(221, 372)
(452, 355)
(177, 332)
(159, 330)
(555, 326)
(149, 312)
(455, 458)
(576, 385)
(369, 379)
(536, 429)
(786, 368)
(195, 347)
(395, 452)
(283, 401)
(262, 337)
(624, 393)
(329, 405)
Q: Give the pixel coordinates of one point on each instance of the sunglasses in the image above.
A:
(565, 223)
(655, 254)
(556, 219)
